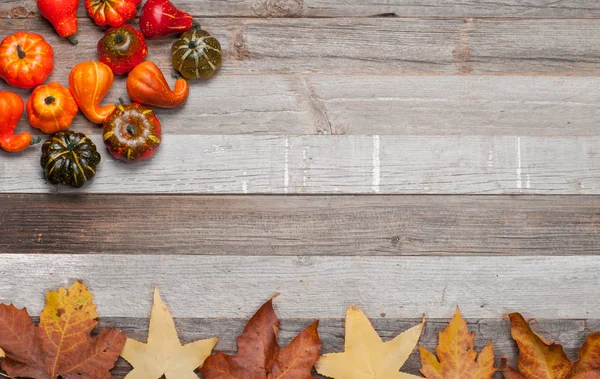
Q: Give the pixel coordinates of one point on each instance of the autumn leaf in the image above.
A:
(366, 356)
(260, 357)
(539, 359)
(61, 345)
(457, 355)
(164, 354)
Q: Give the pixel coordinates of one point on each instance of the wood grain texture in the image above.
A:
(570, 333)
(386, 105)
(357, 8)
(335, 165)
(314, 225)
(373, 46)
(313, 287)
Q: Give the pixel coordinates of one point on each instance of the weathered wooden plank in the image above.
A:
(336, 225)
(386, 105)
(384, 46)
(570, 333)
(460, 105)
(357, 8)
(340, 164)
(313, 287)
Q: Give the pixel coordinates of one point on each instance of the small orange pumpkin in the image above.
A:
(51, 108)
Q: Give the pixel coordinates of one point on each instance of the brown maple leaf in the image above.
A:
(539, 359)
(61, 345)
(260, 357)
(457, 355)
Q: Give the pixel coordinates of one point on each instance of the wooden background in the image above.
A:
(406, 156)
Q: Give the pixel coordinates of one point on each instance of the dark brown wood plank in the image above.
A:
(570, 333)
(359, 8)
(307, 225)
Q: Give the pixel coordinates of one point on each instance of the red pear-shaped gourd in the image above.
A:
(160, 18)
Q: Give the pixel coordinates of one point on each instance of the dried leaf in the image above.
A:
(61, 345)
(164, 354)
(366, 356)
(457, 355)
(259, 355)
(539, 359)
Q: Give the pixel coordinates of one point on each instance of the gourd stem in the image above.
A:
(196, 25)
(119, 38)
(20, 52)
(131, 130)
(192, 44)
(34, 141)
(49, 100)
(73, 40)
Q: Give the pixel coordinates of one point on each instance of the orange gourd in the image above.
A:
(11, 109)
(26, 59)
(90, 82)
(147, 85)
(51, 108)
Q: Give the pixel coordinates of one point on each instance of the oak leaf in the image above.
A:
(164, 354)
(457, 355)
(260, 357)
(61, 345)
(366, 356)
(539, 359)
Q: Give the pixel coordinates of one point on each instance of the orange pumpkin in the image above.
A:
(11, 109)
(90, 82)
(147, 85)
(51, 108)
(26, 59)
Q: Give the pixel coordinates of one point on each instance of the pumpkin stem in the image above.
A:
(35, 141)
(119, 38)
(131, 130)
(20, 52)
(175, 74)
(73, 40)
(196, 25)
(121, 102)
(49, 100)
(192, 44)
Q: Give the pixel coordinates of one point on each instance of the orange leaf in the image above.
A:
(457, 355)
(539, 359)
(61, 345)
(259, 355)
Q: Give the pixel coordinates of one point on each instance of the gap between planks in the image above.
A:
(307, 225)
(313, 287)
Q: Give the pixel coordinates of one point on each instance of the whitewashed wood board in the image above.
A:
(336, 165)
(358, 8)
(373, 46)
(314, 287)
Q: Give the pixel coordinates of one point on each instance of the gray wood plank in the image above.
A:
(570, 333)
(384, 46)
(310, 225)
(335, 165)
(386, 105)
(357, 8)
(313, 287)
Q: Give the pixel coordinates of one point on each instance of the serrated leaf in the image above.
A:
(456, 355)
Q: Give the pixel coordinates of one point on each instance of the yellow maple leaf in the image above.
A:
(457, 355)
(164, 354)
(366, 356)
